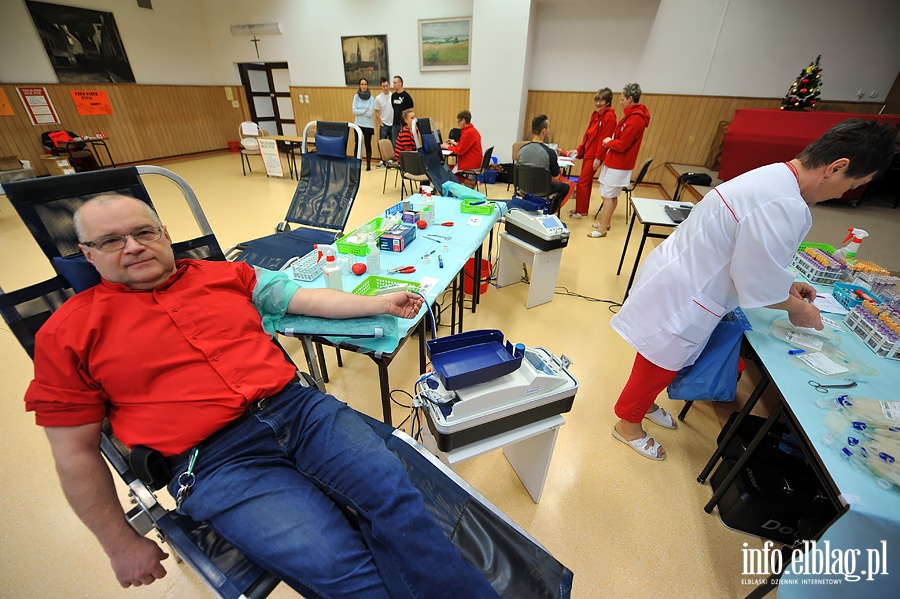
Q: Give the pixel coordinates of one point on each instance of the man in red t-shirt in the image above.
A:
(174, 353)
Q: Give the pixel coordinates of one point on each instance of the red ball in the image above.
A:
(421, 224)
(358, 268)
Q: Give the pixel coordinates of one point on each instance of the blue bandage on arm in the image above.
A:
(271, 296)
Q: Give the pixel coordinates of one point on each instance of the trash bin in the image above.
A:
(469, 270)
(234, 146)
(490, 177)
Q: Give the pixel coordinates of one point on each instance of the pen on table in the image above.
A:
(440, 261)
(429, 253)
(795, 352)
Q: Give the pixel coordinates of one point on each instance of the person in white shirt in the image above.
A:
(733, 250)
(385, 112)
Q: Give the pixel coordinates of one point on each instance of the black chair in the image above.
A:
(485, 164)
(536, 181)
(412, 170)
(329, 182)
(628, 190)
(77, 152)
(514, 563)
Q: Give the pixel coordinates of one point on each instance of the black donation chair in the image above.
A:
(429, 150)
(515, 564)
(329, 182)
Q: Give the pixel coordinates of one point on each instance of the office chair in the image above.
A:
(628, 191)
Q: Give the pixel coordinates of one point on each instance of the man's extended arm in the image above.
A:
(88, 485)
(331, 303)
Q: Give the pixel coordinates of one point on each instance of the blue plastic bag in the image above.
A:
(713, 377)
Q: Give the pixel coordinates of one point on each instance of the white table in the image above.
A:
(544, 268)
(528, 449)
(651, 213)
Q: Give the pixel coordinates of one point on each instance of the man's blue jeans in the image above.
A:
(384, 132)
(272, 487)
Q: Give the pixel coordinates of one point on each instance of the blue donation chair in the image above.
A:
(429, 149)
(515, 564)
(329, 182)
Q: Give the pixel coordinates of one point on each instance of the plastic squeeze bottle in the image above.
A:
(332, 271)
(373, 258)
(855, 238)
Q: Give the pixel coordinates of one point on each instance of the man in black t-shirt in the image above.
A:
(400, 100)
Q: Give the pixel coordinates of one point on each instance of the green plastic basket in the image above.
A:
(360, 249)
(482, 207)
(373, 283)
(821, 246)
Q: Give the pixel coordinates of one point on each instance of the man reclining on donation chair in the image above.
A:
(173, 352)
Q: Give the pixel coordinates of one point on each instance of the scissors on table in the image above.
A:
(827, 388)
(401, 269)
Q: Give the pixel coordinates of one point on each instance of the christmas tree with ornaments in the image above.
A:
(804, 93)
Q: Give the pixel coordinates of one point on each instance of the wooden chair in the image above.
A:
(386, 149)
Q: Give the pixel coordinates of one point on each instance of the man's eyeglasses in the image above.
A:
(112, 243)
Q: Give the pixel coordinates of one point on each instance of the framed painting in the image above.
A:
(365, 57)
(445, 44)
(83, 45)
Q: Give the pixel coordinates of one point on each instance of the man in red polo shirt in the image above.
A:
(174, 353)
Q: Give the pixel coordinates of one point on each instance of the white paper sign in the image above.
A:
(271, 158)
(827, 303)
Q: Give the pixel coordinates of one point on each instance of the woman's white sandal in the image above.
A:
(642, 445)
(662, 418)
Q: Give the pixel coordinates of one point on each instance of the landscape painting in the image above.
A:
(445, 44)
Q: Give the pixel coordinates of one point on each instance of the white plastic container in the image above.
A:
(373, 258)
(332, 273)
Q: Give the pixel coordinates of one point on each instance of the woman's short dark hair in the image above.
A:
(604, 94)
(539, 123)
(868, 144)
(465, 115)
(361, 79)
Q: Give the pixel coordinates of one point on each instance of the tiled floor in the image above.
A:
(624, 524)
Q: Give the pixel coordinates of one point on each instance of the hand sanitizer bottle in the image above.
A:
(373, 258)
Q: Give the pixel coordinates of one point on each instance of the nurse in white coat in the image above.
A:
(733, 251)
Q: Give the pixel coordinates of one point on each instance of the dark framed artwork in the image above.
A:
(83, 45)
(365, 57)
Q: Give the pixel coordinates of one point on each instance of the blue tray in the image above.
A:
(472, 358)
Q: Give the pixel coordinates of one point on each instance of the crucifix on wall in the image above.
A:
(254, 31)
(256, 41)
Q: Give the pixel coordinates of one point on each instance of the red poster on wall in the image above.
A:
(91, 102)
(38, 105)
(6, 108)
